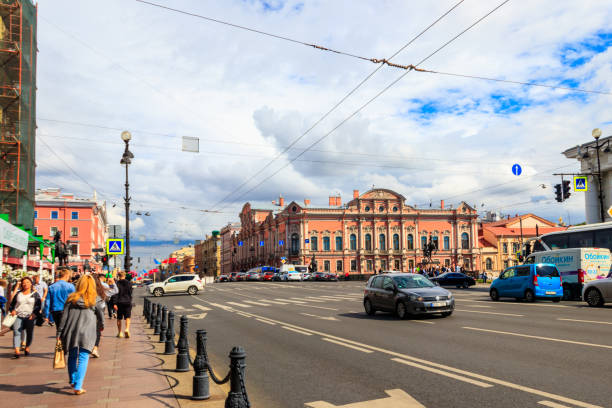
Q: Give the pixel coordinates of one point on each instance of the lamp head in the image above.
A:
(596, 133)
(126, 136)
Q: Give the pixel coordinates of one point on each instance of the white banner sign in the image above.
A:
(12, 236)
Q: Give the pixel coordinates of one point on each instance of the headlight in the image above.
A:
(416, 298)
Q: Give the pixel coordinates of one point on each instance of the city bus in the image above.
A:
(580, 236)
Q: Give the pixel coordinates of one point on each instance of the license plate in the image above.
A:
(551, 293)
(437, 304)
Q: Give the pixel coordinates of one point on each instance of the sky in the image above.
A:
(113, 65)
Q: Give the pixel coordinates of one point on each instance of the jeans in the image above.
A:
(20, 325)
(77, 366)
(57, 318)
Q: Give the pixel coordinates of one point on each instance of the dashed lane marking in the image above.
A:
(580, 343)
(491, 313)
(552, 404)
(364, 350)
(291, 301)
(274, 302)
(256, 303)
(296, 330)
(204, 308)
(238, 304)
(444, 373)
(584, 321)
(265, 321)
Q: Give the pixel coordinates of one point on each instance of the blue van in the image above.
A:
(528, 282)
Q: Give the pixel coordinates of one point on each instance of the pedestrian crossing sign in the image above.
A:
(580, 183)
(114, 246)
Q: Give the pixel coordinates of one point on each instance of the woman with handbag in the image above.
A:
(101, 291)
(25, 306)
(83, 317)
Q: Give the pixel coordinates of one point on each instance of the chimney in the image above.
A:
(332, 201)
(442, 204)
(281, 201)
(338, 201)
(306, 202)
(508, 216)
(355, 194)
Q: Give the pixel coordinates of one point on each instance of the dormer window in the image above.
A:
(367, 208)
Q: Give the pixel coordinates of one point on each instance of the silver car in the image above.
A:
(598, 292)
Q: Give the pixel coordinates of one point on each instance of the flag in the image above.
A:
(156, 261)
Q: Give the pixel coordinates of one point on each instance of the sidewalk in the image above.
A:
(128, 374)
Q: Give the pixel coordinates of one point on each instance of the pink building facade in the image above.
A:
(228, 250)
(375, 230)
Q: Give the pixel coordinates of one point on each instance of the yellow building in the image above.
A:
(208, 255)
(183, 264)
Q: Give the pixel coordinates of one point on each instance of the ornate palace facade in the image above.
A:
(375, 230)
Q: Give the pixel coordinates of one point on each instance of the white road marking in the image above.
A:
(397, 399)
(584, 321)
(522, 304)
(318, 307)
(197, 316)
(238, 304)
(444, 373)
(492, 313)
(265, 321)
(291, 301)
(320, 317)
(204, 308)
(243, 314)
(552, 404)
(479, 306)
(296, 330)
(580, 343)
(177, 307)
(347, 345)
(309, 300)
(256, 303)
(422, 321)
(273, 302)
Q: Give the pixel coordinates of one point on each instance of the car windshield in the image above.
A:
(301, 268)
(412, 282)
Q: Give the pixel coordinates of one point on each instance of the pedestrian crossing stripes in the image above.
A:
(296, 301)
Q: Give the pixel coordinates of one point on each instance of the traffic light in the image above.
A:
(558, 195)
(566, 189)
(104, 260)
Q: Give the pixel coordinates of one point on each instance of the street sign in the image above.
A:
(283, 261)
(610, 211)
(281, 242)
(12, 236)
(306, 241)
(114, 246)
(97, 250)
(261, 243)
(580, 183)
(516, 169)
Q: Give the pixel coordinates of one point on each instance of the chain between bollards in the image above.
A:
(237, 397)
(169, 346)
(164, 325)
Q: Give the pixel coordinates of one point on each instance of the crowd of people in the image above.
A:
(75, 304)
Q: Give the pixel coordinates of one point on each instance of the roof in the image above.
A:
(507, 221)
(499, 231)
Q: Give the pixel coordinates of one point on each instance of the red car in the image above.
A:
(267, 276)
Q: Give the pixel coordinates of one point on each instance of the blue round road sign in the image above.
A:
(516, 169)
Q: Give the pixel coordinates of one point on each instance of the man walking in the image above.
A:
(58, 293)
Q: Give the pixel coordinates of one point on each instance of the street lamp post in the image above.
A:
(126, 159)
(596, 134)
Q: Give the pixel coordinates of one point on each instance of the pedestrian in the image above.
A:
(26, 305)
(58, 293)
(484, 277)
(346, 276)
(101, 292)
(123, 304)
(111, 289)
(83, 317)
(3, 285)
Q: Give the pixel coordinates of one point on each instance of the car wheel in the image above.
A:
(401, 311)
(593, 298)
(556, 300)
(446, 314)
(494, 294)
(466, 284)
(369, 309)
(529, 296)
(192, 290)
(157, 292)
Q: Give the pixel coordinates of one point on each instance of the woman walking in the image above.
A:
(83, 317)
(123, 304)
(26, 306)
(101, 292)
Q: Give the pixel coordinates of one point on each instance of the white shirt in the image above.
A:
(25, 304)
(40, 288)
(2, 291)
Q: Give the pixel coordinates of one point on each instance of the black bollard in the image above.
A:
(147, 310)
(201, 389)
(158, 319)
(152, 317)
(182, 358)
(164, 325)
(170, 334)
(144, 307)
(237, 397)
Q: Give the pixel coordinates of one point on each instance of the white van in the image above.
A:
(289, 273)
(576, 265)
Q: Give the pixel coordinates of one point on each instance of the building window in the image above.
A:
(489, 264)
(353, 265)
(396, 242)
(446, 243)
(353, 241)
(326, 266)
(35, 230)
(295, 243)
(381, 209)
(338, 243)
(465, 241)
(505, 247)
(74, 232)
(367, 208)
(369, 265)
(382, 241)
(410, 264)
(338, 266)
(505, 264)
(410, 241)
(53, 231)
(383, 265)
(397, 265)
(394, 209)
(314, 244)
(447, 262)
(368, 242)
(74, 215)
(435, 241)
(73, 249)
(35, 214)
(515, 247)
(423, 242)
(54, 215)
(326, 246)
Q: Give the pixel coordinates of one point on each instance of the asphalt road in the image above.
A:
(312, 341)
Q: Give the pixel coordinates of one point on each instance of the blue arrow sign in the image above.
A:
(516, 169)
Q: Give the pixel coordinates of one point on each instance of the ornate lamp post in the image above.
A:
(126, 160)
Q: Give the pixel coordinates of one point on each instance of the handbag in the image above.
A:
(9, 321)
(59, 358)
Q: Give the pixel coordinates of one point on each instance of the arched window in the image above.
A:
(396, 242)
(410, 241)
(465, 241)
(382, 242)
(353, 241)
(446, 243)
(314, 244)
(295, 243)
(326, 246)
(489, 264)
(423, 242)
(435, 241)
(338, 243)
(368, 242)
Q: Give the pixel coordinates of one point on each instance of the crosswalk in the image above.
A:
(290, 301)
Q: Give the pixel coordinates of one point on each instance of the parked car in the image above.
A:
(324, 276)
(240, 276)
(528, 282)
(253, 274)
(188, 283)
(277, 277)
(288, 273)
(223, 278)
(598, 292)
(307, 276)
(232, 276)
(454, 279)
(268, 275)
(406, 294)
